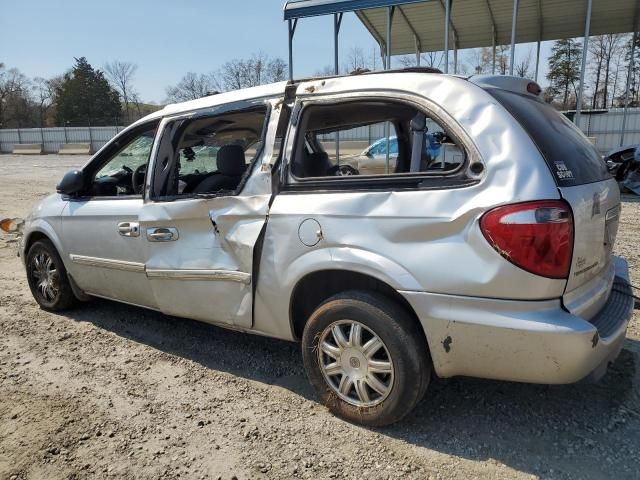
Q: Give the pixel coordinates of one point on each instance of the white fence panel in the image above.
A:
(52, 138)
(605, 127)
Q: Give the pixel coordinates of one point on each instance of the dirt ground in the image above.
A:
(113, 391)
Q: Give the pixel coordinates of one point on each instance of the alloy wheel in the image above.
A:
(355, 363)
(45, 275)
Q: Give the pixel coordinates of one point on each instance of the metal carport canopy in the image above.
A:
(413, 26)
(421, 23)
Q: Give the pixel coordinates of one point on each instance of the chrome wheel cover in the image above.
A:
(355, 363)
(45, 276)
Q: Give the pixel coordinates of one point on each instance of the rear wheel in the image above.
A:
(366, 357)
(47, 277)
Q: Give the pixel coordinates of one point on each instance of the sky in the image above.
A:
(167, 39)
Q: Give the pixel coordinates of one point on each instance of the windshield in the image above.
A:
(569, 154)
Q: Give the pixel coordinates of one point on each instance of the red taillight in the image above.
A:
(535, 236)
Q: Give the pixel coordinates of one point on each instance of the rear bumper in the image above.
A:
(524, 341)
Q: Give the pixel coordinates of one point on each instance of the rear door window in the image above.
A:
(573, 160)
(372, 137)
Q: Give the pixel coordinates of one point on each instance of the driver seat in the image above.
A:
(231, 167)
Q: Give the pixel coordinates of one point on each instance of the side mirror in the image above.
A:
(71, 183)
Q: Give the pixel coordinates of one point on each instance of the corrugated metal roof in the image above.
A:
(310, 8)
(472, 21)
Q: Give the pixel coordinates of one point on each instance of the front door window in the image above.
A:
(124, 172)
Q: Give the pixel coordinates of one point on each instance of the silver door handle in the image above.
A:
(162, 234)
(129, 229)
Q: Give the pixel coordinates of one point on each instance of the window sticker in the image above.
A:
(562, 172)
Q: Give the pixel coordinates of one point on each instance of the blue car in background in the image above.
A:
(373, 160)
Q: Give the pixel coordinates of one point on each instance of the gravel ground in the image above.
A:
(113, 391)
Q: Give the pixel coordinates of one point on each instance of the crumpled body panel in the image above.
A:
(413, 240)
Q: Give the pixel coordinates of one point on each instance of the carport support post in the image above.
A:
(628, 87)
(540, 27)
(455, 57)
(537, 60)
(90, 138)
(493, 53)
(390, 11)
(337, 21)
(292, 30)
(585, 46)
(447, 17)
(514, 28)
(415, 39)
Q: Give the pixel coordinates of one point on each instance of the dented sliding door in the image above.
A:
(200, 250)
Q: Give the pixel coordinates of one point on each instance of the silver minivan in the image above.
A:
(487, 254)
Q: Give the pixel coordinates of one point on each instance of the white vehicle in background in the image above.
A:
(490, 259)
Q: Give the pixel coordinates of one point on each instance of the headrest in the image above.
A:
(317, 164)
(230, 160)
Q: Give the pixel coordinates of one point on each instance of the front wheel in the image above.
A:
(366, 357)
(47, 277)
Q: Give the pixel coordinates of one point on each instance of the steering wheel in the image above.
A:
(343, 171)
(137, 178)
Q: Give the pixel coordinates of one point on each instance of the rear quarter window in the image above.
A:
(572, 159)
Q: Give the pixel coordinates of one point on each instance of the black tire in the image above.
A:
(60, 296)
(404, 345)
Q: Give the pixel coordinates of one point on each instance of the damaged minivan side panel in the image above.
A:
(207, 274)
(406, 247)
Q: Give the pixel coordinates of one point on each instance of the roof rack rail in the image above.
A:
(418, 70)
(366, 71)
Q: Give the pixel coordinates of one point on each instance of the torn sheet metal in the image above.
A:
(632, 181)
(624, 164)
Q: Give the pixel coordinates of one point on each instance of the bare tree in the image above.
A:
(595, 50)
(407, 61)
(256, 70)
(429, 59)
(476, 61)
(135, 100)
(121, 76)
(480, 60)
(603, 49)
(502, 59)
(277, 70)
(619, 70)
(326, 71)
(191, 87)
(14, 92)
(357, 60)
(432, 59)
(234, 74)
(522, 68)
(44, 92)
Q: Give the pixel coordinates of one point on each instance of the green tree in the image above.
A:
(564, 69)
(84, 97)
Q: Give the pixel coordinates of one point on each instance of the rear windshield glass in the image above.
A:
(571, 157)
